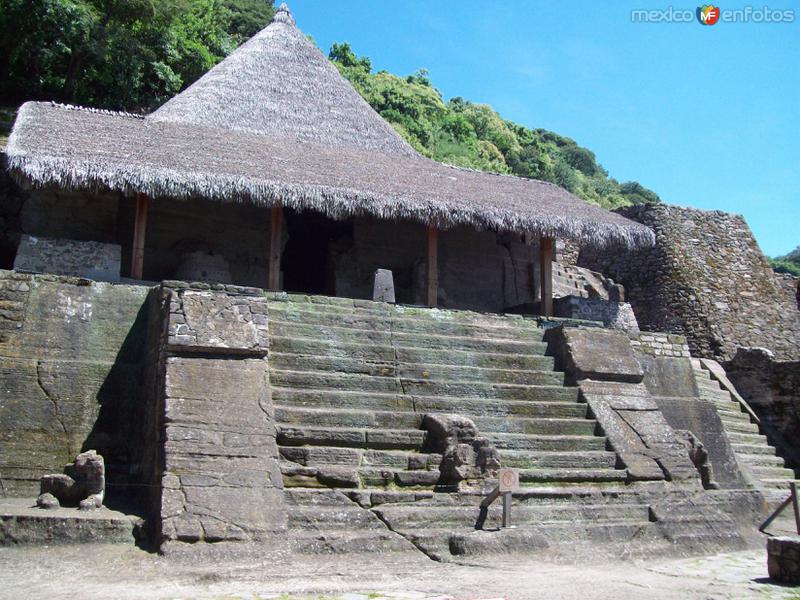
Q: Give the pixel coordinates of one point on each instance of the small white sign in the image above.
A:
(508, 480)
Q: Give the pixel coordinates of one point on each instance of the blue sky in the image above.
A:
(707, 116)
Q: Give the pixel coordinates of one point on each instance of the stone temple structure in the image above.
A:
(192, 297)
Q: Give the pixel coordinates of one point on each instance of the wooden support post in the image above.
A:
(139, 231)
(275, 239)
(433, 267)
(546, 276)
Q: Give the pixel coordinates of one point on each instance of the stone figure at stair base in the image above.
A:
(465, 454)
(83, 482)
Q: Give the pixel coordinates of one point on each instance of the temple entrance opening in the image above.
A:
(306, 264)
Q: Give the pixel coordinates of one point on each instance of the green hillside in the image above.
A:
(789, 263)
(462, 133)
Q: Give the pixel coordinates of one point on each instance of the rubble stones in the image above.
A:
(47, 501)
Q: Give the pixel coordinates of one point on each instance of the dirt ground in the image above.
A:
(121, 572)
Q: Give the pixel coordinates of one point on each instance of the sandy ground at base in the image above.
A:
(122, 572)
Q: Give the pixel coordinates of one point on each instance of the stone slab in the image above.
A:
(597, 354)
(202, 321)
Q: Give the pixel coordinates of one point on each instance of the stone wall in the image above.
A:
(477, 270)
(92, 260)
(219, 474)
(661, 344)
(707, 279)
(771, 387)
(71, 353)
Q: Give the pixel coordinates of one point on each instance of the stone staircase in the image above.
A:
(753, 452)
(571, 280)
(351, 382)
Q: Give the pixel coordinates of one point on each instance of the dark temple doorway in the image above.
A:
(306, 264)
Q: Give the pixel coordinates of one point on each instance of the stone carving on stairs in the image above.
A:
(699, 457)
(465, 454)
(83, 482)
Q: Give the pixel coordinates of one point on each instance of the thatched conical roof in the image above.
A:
(275, 123)
(278, 83)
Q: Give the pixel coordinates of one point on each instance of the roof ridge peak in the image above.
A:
(283, 15)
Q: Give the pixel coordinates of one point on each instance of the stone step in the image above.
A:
(340, 399)
(374, 352)
(335, 336)
(733, 417)
(738, 437)
(730, 408)
(322, 455)
(763, 460)
(310, 380)
(407, 439)
(533, 495)
(333, 517)
(497, 391)
(489, 426)
(421, 515)
(702, 374)
(761, 448)
(422, 372)
(481, 359)
(315, 380)
(338, 542)
(531, 476)
(376, 477)
(548, 443)
(346, 417)
(537, 366)
(397, 402)
(522, 459)
(349, 418)
(522, 330)
(437, 542)
(499, 408)
(716, 397)
(22, 523)
(779, 483)
(735, 425)
(378, 353)
(312, 306)
(706, 383)
(771, 472)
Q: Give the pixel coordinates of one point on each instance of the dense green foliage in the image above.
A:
(117, 54)
(475, 136)
(135, 54)
(787, 264)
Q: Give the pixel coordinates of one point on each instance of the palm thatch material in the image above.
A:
(275, 123)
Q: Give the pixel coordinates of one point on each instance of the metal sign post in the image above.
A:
(508, 482)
